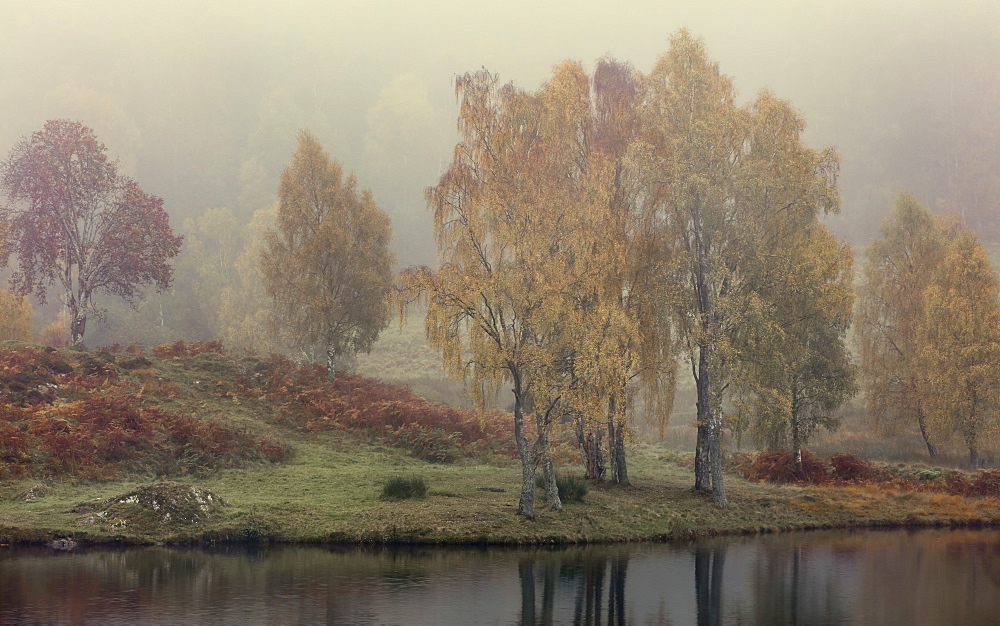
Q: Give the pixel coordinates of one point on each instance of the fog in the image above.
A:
(201, 101)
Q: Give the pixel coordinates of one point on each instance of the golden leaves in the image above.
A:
(929, 324)
(327, 265)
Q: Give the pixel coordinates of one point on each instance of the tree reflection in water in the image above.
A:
(899, 577)
(708, 568)
(595, 579)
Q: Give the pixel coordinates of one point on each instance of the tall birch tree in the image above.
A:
(891, 313)
(961, 344)
(732, 184)
(327, 264)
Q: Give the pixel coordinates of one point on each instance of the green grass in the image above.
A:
(404, 488)
(331, 490)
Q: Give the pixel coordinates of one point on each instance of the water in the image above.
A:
(926, 577)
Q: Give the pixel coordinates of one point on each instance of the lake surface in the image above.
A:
(871, 577)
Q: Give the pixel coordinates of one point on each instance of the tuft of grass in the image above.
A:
(571, 488)
(404, 487)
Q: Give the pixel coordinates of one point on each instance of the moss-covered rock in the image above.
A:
(153, 508)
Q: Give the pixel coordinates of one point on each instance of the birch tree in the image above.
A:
(891, 313)
(327, 264)
(74, 220)
(961, 344)
(731, 183)
(491, 297)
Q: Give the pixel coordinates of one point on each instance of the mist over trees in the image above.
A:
(599, 229)
(205, 106)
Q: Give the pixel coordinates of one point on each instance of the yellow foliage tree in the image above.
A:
(56, 334)
(327, 264)
(891, 313)
(614, 344)
(500, 249)
(15, 317)
(796, 374)
(732, 184)
(960, 340)
(245, 311)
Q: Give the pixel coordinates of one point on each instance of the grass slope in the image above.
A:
(329, 488)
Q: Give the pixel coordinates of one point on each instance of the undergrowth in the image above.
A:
(570, 488)
(388, 413)
(75, 414)
(849, 469)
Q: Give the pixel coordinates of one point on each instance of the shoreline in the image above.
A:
(25, 538)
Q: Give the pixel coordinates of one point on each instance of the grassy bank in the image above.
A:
(331, 492)
(326, 484)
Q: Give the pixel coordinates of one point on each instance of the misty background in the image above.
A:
(201, 101)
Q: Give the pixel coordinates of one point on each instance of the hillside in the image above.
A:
(189, 445)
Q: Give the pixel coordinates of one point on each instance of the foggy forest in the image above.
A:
(218, 108)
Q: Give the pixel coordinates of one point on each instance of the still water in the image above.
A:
(898, 577)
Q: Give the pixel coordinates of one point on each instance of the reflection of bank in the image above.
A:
(596, 581)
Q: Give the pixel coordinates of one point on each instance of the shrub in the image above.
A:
(430, 444)
(404, 487)
(181, 348)
(571, 488)
(381, 411)
(986, 483)
(779, 467)
(852, 468)
(955, 483)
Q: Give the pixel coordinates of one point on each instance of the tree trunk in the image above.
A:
(526, 505)
(621, 468)
(544, 454)
(973, 458)
(702, 469)
(800, 471)
(590, 452)
(616, 444)
(331, 364)
(77, 321)
(715, 454)
(932, 449)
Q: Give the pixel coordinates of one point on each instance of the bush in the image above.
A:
(404, 487)
(986, 483)
(381, 411)
(181, 348)
(779, 467)
(852, 468)
(571, 488)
